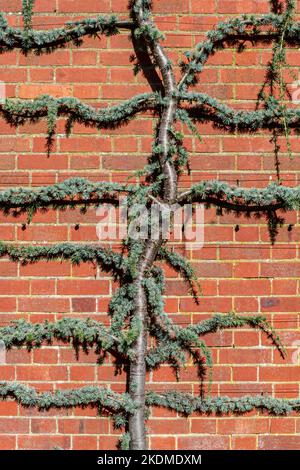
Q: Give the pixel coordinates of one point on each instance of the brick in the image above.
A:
(208, 7)
(276, 270)
(162, 443)
(42, 233)
(177, 6)
(7, 442)
(238, 287)
(82, 426)
(14, 425)
(205, 426)
(280, 304)
(40, 426)
(28, 91)
(84, 442)
(217, 304)
(42, 162)
(42, 304)
(245, 356)
(41, 286)
(13, 75)
(284, 425)
(168, 426)
(108, 442)
(8, 408)
(45, 356)
(204, 442)
(116, 162)
(251, 6)
(82, 373)
(52, 268)
(83, 304)
(278, 442)
(49, 442)
(279, 374)
(85, 144)
(244, 373)
(243, 425)
(85, 287)
(75, 6)
(42, 373)
(7, 372)
(17, 287)
(78, 75)
(243, 442)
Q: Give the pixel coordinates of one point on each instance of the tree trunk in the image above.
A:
(137, 370)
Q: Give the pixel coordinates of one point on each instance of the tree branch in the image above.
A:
(17, 112)
(46, 41)
(231, 32)
(76, 253)
(71, 192)
(239, 199)
(80, 332)
(209, 109)
(83, 397)
(187, 404)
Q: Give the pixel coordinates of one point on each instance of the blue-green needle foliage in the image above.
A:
(108, 260)
(183, 403)
(251, 27)
(170, 343)
(244, 199)
(208, 109)
(29, 39)
(182, 265)
(71, 192)
(17, 112)
(103, 398)
(27, 10)
(85, 333)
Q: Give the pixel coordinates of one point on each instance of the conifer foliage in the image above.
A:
(136, 309)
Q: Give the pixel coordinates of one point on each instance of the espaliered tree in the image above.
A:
(137, 308)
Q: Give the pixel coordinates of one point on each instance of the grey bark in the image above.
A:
(137, 369)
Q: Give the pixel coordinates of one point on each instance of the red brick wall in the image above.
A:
(238, 270)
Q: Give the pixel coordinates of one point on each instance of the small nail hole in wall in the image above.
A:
(24, 226)
(77, 227)
(290, 227)
(237, 228)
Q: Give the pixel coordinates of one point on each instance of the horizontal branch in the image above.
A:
(246, 27)
(71, 192)
(230, 119)
(82, 397)
(76, 253)
(236, 198)
(186, 403)
(173, 339)
(48, 40)
(16, 111)
(71, 330)
(121, 403)
(221, 322)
